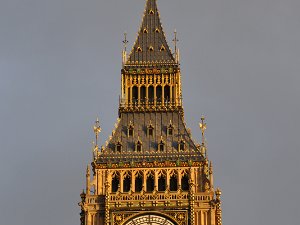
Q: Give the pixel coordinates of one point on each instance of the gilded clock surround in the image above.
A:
(150, 170)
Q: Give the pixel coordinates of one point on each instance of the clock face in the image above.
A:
(149, 220)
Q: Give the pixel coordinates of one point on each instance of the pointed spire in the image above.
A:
(151, 45)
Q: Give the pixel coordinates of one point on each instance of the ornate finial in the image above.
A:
(97, 130)
(202, 126)
(125, 41)
(218, 193)
(124, 53)
(175, 40)
(87, 170)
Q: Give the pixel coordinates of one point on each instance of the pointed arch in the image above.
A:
(158, 93)
(138, 182)
(115, 182)
(173, 181)
(185, 182)
(127, 182)
(150, 182)
(162, 181)
(167, 93)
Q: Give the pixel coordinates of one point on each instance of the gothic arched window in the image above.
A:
(150, 183)
(151, 94)
(185, 182)
(181, 145)
(143, 94)
(159, 93)
(135, 94)
(118, 147)
(139, 182)
(167, 94)
(115, 182)
(161, 146)
(162, 183)
(150, 130)
(173, 183)
(130, 130)
(170, 129)
(126, 183)
(138, 146)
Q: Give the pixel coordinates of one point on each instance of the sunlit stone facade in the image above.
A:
(150, 170)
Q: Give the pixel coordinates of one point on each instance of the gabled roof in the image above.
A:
(151, 45)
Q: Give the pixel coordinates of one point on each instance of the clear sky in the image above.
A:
(60, 64)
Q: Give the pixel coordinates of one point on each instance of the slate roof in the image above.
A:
(151, 45)
(150, 152)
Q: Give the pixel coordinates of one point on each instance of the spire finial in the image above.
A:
(125, 41)
(97, 130)
(175, 40)
(202, 126)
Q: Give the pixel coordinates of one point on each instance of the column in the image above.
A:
(139, 94)
(154, 86)
(121, 181)
(133, 181)
(144, 181)
(168, 179)
(155, 181)
(147, 95)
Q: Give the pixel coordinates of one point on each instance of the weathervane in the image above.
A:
(175, 40)
(125, 41)
(202, 126)
(124, 53)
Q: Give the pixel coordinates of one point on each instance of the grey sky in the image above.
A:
(60, 64)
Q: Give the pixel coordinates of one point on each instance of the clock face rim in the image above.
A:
(159, 219)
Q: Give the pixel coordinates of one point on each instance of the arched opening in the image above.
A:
(118, 147)
(161, 146)
(130, 130)
(150, 131)
(185, 182)
(159, 93)
(135, 94)
(115, 183)
(138, 146)
(167, 95)
(181, 145)
(162, 183)
(139, 183)
(151, 94)
(143, 94)
(150, 183)
(126, 183)
(173, 183)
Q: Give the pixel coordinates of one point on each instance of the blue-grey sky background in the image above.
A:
(60, 64)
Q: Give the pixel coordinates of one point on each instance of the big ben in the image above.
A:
(150, 170)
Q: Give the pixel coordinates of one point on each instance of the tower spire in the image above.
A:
(151, 45)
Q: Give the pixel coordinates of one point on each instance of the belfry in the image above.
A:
(150, 170)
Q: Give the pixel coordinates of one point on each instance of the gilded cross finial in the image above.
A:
(125, 41)
(202, 126)
(97, 130)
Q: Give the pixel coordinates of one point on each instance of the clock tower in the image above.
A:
(150, 170)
